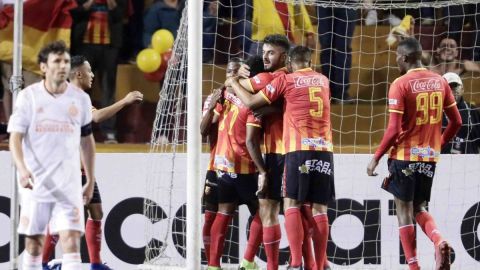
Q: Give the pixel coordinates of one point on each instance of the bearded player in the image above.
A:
(307, 140)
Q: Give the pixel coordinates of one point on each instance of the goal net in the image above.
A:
(354, 45)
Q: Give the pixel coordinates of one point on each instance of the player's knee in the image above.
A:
(33, 244)
(96, 214)
(70, 241)
(419, 207)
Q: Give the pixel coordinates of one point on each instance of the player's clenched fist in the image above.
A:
(262, 183)
(134, 96)
(87, 192)
(25, 178)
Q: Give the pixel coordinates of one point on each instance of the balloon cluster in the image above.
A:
(153, 61)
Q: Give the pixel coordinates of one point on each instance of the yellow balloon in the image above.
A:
(162, 40)
(148, 60)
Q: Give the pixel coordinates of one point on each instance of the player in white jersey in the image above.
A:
(50, 129)
(81, 75)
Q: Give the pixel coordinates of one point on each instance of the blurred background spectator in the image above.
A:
(335, 32)
(163, 14)
(271, 17)
(467, 139)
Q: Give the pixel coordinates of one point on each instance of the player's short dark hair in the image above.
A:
(236, 60)
(77, 61)
(255, 62)
(412, 46)
(277, 40)
(56, 47)
(300, 54)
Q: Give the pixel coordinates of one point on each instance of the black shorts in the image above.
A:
(275, 164)
(96, 193)
(309, 176)
(237, 188)
(210, 190)
(410, 180)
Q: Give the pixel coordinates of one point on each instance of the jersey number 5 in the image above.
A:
(427, 102)
(318, 111)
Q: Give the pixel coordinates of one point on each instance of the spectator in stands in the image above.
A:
(97, 33)
(460, 16)
(467, 139)
(335, 30)
(446, 59)
(271, 17)
(235, 13)
(163, 14)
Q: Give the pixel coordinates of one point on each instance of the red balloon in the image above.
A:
(159, 74)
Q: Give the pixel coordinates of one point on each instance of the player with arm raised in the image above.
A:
(414, 137)
(274, 54)
(209, 127)
(50, 130)
(307, 140)
(81, 76)
(238, 131)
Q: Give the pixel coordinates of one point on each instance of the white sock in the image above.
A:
(31, 262)
(71, 261)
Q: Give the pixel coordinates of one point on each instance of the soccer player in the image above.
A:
(274, 54)
(236, 155)
(49, 129)
(307, 142)
(81, 76)
(209, 127)
(416, 101)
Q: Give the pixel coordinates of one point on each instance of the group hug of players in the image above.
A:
(285, 106)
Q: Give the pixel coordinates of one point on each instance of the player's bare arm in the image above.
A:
(252, 101)
(253, 139)
(15, 144)
(244, 71)
(267, 110)
(103, 114)
(209, 116)
(454, 124)
(391, 135)
(87, 153)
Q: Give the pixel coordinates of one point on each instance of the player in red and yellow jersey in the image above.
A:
(416, 101)
(209, 128)
(236, 156)
(308, 147)
(275, 49)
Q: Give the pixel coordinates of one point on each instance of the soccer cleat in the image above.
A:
(246, 265)
(442, 256)
(45, 266)
(55, 264)
(100, 266)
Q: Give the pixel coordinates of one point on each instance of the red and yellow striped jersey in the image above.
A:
(306, 114)
(98, 31)
(272, 123)
(420, 95)
(231, 154)
(212, 136)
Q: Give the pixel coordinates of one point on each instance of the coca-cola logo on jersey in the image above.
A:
(306, 81)
(425, 85)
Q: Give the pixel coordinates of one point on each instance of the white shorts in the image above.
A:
(59, 216)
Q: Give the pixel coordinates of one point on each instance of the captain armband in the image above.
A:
(86, 130)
